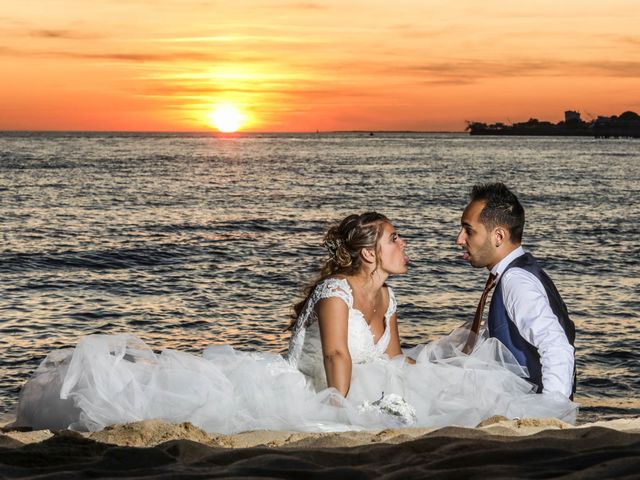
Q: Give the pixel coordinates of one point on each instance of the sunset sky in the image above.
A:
(166, 65)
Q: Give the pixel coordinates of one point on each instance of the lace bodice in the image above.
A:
(305, 349)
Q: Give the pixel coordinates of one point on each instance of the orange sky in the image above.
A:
(157, 65)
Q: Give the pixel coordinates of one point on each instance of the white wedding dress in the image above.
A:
(109, 379)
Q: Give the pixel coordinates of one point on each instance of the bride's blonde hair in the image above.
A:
(344, 242)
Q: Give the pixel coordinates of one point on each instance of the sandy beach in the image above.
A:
(497, 448)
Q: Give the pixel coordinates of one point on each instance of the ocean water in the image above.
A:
(188, 240)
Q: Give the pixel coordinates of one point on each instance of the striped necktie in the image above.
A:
(477, 319)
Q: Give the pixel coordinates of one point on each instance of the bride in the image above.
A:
(344, 369)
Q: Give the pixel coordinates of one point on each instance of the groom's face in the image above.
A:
(475, 239)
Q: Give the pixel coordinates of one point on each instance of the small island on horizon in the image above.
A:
(626, 124)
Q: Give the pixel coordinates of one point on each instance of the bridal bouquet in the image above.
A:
(393, 405)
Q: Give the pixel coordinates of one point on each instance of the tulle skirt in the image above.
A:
(111, 379)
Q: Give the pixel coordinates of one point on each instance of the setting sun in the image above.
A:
(226, 118)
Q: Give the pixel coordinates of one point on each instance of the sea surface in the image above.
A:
(192, 239)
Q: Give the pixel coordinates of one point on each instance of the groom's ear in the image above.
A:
(368, 255)
(500, 235)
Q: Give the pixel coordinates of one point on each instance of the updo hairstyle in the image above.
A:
(344, 242)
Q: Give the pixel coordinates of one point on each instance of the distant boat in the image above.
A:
(625, 125)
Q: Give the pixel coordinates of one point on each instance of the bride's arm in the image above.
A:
(333, 320)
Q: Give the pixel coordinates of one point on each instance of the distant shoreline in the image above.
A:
(625, 125)
(206, 132)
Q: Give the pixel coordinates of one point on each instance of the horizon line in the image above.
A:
(261, 132)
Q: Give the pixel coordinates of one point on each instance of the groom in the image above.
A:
(526, 312)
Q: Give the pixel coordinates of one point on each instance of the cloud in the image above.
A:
(256, 40)
(204, 90)
(416, 32)
(626, 39)
(159, 57)
(298, 6)
(12, 22)
(9, 52)
(61, 34)
(613, 68)
(468, 71)
(384, 68)
(142, 57)
(450, 81)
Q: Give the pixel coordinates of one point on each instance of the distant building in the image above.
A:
(572, 116)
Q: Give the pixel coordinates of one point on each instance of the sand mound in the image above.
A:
(451, 452)
(149, 433)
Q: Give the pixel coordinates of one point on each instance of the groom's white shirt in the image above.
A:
(528, 307)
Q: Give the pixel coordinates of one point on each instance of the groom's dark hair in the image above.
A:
(501, 208)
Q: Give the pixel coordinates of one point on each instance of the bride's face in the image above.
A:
(393, 260)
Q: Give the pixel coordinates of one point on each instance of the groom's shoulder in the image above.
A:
(523, 274)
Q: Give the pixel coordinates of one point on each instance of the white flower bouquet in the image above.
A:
(394, 406)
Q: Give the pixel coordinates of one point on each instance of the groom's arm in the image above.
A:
(528, 306)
